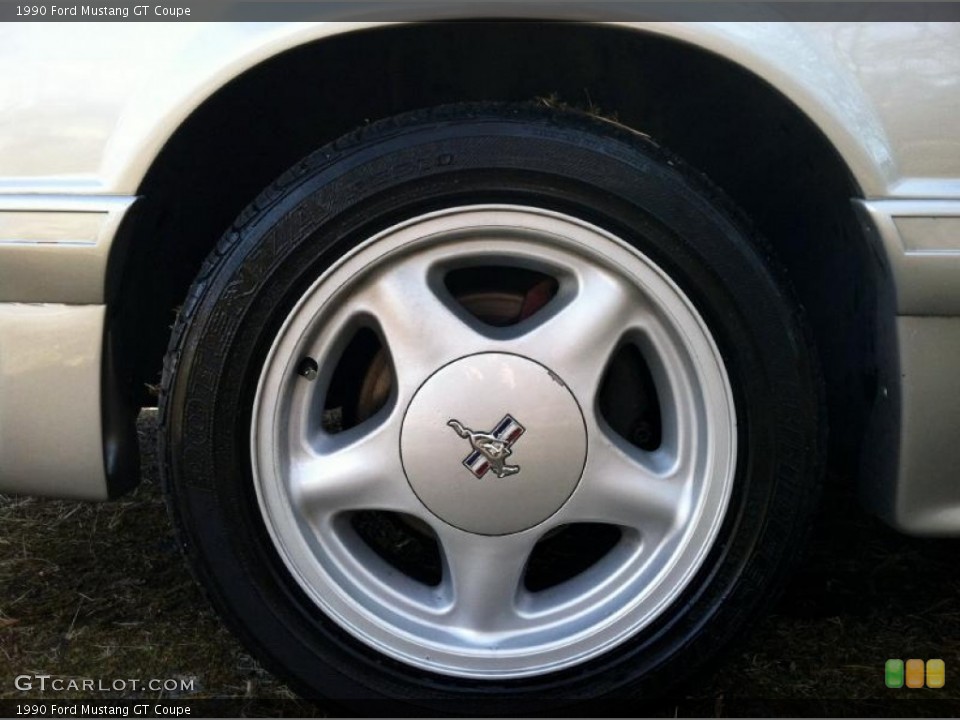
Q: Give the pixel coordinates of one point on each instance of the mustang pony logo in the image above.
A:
(490, 450)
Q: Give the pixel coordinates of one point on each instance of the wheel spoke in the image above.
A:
(583, 334)
(483, 576)
(358, 469)
(622, 486)
(420, 330)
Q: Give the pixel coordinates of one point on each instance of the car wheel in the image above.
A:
(490, 401)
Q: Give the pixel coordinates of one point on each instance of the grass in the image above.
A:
(100, 591)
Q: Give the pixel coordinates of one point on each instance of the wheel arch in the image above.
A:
(789, 151)
(791, 62)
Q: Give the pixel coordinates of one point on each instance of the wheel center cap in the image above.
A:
(493, 443)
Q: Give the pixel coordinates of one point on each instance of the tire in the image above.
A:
(490, 402)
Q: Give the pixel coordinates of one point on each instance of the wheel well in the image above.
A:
(751, 141)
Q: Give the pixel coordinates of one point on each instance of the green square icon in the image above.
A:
(893, 673)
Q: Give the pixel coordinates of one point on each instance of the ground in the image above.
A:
(100, 590)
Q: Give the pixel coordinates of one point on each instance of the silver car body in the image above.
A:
(80, 128)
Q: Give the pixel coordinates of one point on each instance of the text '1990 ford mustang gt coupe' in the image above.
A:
(496, 360)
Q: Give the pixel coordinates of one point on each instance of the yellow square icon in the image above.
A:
(914, 673)
(936, 673)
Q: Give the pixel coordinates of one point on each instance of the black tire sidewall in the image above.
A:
(566, 162)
